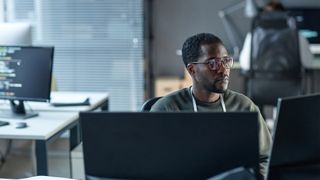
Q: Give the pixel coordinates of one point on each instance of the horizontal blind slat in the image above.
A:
(98, 45)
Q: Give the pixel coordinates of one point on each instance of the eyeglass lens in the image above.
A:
(215, 64)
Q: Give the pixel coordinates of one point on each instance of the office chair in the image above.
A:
(275, 66)
(148, 104)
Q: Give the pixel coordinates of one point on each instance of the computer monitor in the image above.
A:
(177, 145)
(296, 135)
(15, 34)
(25, 75)
(308, 25)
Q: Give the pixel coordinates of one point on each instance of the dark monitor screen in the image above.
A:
(25, 73)
(308, 22)
(297, 132)
(144, 145)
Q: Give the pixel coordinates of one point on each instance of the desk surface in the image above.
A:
(315, 64)
(42, 178)
(41, 127)
(96, 98)
(51, 119)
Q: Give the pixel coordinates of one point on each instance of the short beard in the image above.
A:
(217, 90)
(214, 88)
(220, 91)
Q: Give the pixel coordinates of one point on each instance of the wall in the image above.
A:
(172, 21)
(175, 20)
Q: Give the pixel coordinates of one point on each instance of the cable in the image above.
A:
(29, 107)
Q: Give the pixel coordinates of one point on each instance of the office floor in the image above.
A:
(19, 163)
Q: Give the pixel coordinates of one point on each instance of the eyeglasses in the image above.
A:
(216, 63)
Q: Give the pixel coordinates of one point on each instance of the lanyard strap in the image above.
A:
(194, 104)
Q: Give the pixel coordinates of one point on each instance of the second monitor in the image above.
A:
(296, 148)
(25, 75)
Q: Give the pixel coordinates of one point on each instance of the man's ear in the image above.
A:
(190, 69)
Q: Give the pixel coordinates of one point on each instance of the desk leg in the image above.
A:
(74, 136)
(74, 140)
(41, 157)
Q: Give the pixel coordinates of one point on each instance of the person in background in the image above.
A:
(208, 63)
(305, 53)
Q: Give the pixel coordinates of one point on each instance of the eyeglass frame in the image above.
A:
(211, 62)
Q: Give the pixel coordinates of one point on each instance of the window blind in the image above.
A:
(98, 44)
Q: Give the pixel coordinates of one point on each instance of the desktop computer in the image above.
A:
(308, 25)
(13, 34)
(25, 75)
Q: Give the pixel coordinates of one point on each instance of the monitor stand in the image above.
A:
(17, 111)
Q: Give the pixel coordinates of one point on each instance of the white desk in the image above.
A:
(97, 100)
(42, 178)
(315, 64)
(41, 127)
(51, 123)
(311, 77)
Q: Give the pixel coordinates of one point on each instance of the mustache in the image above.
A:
(222, 78)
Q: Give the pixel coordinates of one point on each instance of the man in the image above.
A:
(208, 63)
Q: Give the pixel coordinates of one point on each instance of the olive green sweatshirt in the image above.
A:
(181, 100)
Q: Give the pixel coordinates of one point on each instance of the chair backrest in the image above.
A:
(148, 104)
(276, 69)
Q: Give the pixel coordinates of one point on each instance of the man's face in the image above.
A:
(212, 80)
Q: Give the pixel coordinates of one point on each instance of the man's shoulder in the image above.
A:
(173, 100)
(239, 101)
(233, 94)
(180, 94)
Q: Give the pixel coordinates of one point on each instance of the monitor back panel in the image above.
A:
(168, 145)
(297, 131)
